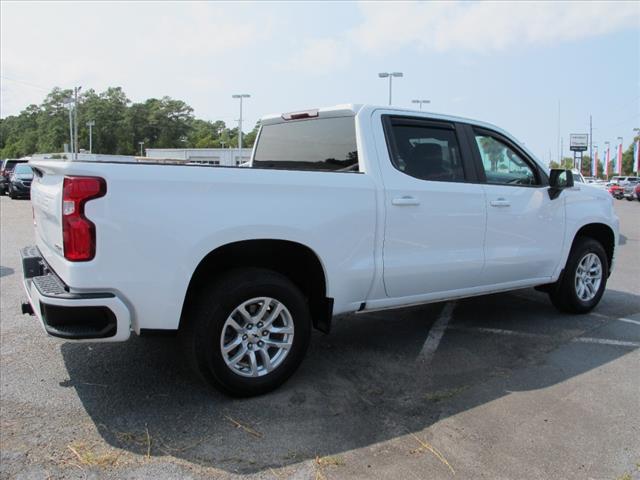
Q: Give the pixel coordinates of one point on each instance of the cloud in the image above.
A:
(150, 48)
(486, 26)
(320, 55)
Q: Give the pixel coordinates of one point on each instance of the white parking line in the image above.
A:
(628, 320)
(608, 317)
(500, 331)
(514, 333)
(605, 341)
(435, 334)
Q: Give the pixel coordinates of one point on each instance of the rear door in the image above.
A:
(435, 210)
(525, 228)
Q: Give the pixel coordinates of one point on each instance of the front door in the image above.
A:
(525, 228)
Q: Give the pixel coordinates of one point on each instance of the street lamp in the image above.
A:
(390, 75)
(240, 96)
(141, 145)
(420, 102)
(90, 124)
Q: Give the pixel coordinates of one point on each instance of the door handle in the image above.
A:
(500, 202)
(404, 201)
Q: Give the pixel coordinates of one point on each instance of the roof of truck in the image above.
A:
(352, 109)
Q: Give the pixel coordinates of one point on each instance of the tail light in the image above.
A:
(78, 232)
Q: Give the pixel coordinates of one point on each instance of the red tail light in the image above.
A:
(78, 232)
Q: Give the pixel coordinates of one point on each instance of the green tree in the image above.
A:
(119, 125)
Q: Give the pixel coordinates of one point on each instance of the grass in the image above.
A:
(329, 461)
(89, 456)
(440, 395)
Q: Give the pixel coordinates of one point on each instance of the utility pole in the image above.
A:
(90, 124)
(75, 121)
(559, 141)
(68, 102)
(591, 140)
(240, 96)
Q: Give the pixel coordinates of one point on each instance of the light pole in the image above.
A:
(240, 96)
(420, 102)
(141, 151)
(390, 75)
(90, 124)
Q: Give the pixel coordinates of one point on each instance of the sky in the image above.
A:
(514, 64)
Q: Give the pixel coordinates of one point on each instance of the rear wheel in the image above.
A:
(584, 278)
(248, 331)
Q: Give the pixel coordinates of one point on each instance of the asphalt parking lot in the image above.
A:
(501, 386)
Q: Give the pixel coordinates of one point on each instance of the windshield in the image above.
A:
(22, 169)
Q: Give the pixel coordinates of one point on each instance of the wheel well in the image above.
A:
(603, 234)
(293, 260)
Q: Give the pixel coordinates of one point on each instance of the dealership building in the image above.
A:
(227, 157)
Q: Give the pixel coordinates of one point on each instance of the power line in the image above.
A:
(40, 87)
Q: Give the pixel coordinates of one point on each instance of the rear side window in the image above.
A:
(428, 153)
(327, 144)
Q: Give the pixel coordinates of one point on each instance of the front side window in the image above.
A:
(502, 165)
(327, 144)
(427, 153)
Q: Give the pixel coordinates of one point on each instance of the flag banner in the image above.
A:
(636, 156)
(619, 160)
(606, 162)
(594, 163)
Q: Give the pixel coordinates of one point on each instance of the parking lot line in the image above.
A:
(437, 331)
(628, 320)
(606, 341)
(514, 333)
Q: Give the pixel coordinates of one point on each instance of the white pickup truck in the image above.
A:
(345, 209)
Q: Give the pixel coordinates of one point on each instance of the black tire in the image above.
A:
(563, 294)
(11, 195)
(211, 307)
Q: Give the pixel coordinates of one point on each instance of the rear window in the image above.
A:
(326, 144)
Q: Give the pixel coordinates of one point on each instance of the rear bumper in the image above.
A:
(95, 316)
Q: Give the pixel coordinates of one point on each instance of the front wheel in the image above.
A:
(584, 279)
(248, 331)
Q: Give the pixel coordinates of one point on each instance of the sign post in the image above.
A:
(578, 144)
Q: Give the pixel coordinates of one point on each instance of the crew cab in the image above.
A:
(346, 209)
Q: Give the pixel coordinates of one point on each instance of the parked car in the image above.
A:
(631, 190)
(20, 181)
(617, 191)
(343, 210)
(622, 180)
(5, 172)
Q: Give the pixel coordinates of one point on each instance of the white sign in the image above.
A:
(579, 141)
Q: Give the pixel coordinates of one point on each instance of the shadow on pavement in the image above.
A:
(5, 271)
(365, 383)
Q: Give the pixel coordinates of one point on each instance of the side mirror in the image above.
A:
(559, 179)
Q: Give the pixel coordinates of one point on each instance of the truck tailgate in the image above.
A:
(46, 198)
